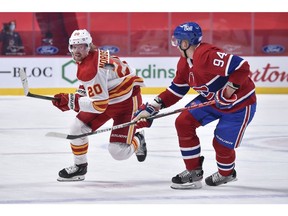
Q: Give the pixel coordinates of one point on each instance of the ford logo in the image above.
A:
(273, 49)
(111, 49)
(50, 50)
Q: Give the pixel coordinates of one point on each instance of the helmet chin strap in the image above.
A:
(184, 50)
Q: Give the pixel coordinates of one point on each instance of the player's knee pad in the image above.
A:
(78, 127)
(120, 151)
(186, 125)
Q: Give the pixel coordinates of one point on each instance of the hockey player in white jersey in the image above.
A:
(108, 90)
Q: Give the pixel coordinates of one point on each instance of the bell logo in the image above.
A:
(187, 28)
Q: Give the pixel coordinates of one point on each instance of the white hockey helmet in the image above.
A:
(81, 36)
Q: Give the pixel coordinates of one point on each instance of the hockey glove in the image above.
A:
(67, 102)
(222, 102)
(144, 111)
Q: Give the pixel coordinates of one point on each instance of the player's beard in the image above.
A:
(78, 56)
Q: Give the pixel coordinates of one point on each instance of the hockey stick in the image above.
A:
(67, 136)
(24, 81)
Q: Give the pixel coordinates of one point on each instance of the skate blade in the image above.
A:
(223, 183)
(233, 180)
(75, 178)
(187, 186)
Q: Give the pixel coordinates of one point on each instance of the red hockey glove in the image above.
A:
(142, 123)
(67, 102)
(222, 102)
(144, 111)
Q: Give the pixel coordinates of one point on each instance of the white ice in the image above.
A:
(30, 161)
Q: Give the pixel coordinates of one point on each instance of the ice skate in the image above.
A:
(189, 179)
(73, 173)
(217, 179)
(141, 152)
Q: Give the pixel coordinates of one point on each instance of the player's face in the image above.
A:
(79, 51)
(184, 45)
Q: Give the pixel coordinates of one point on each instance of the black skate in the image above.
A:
(217, 179)
(141, 152)
(189, 179)
(73, 173)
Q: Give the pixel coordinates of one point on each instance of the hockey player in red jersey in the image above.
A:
(215, 75)
(108, 90)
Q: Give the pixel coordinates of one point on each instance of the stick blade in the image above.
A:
(57, 135)
(24, 81)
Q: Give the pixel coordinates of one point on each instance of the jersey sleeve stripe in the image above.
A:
(126, 82)
(241, 63)
(178, 95)
(228, 65)
(178, 89)
(100, 106)
(234, 63)
(125, 87)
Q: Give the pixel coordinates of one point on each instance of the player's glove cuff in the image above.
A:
(222, 102)
(73, 103)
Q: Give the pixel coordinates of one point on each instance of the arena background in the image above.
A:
(143, 40)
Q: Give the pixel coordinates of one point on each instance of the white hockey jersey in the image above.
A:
(106, 80)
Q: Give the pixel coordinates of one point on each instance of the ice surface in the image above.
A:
(30, 161)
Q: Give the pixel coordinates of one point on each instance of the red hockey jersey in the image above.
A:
(208, 71)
